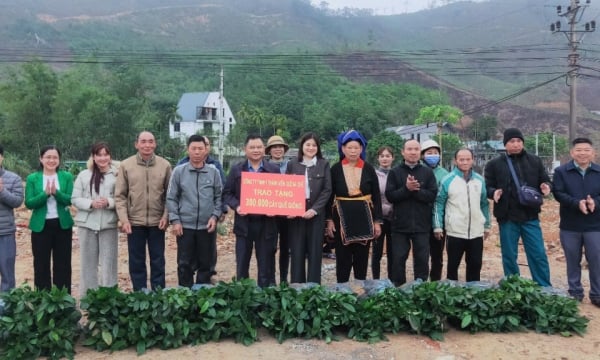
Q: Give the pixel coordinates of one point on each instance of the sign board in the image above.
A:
(272, 194)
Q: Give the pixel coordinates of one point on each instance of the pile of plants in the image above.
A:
(38, 323)
(34, 322)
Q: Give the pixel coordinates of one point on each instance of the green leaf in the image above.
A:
(300, 327)
(466, 320)
(107, 337)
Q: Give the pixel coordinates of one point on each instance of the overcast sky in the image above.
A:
(385, 6)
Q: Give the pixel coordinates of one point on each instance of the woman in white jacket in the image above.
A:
(96, 220)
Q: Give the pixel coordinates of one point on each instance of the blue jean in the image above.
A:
(154, 238)
(8, 253)
(535, 250)
(573, 243)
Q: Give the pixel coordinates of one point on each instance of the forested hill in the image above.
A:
(493, 48)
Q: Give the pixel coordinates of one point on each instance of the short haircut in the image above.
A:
(252, 137)
(1, 150)
(581, 140)
(464, 148)
(196, 138)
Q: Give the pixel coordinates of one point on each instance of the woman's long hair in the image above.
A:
(97, 175)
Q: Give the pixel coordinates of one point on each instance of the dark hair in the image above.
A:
(97, 175)
(251, 137)
(385, 148)
(464, 148)
(196, 138)
(582, 140)
(45, 150)
(305, 138)
(1, 150)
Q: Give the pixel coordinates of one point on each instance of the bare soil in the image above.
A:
(457, 344)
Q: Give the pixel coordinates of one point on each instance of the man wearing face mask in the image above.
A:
(430, 155)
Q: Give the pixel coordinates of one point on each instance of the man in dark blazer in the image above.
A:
(251, 229)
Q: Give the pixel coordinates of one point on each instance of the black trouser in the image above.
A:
(473, 250)
(195, 251)
(56, 243)
(266, 246)
(378, 244)
(436, 253)
(401, 244)
(306, 243)
(351, 257)
(284, 248)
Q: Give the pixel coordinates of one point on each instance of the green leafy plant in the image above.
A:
(38, 323)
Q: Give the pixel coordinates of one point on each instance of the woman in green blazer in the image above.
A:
(48, 194)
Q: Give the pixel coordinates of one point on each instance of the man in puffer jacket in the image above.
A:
(462, 209)
(11, 197)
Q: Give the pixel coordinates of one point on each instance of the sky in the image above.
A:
(386, 7)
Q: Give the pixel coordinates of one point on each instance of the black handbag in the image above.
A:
(528, 196)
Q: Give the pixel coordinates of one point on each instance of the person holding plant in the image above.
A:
(96, 220)
(11, 197)
(48, 193)
(194, 204)
(385, 157)
(577, 189)
(355, 218)
(462, 209)
(306, 232)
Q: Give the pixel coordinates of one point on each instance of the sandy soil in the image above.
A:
(457, 344)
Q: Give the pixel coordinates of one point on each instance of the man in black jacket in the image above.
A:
(411, 188)
(516, 220)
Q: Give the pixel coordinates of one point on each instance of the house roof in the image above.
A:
(415, 129)
(186, 107)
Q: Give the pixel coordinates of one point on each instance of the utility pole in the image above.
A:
(221, 120)
(573, 14)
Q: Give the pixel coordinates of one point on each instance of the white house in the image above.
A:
(418, 132)
(202, 112)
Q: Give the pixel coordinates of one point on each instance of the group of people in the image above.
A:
(417, 205)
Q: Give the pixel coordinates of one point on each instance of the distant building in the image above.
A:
(204, 113)
(419, 132)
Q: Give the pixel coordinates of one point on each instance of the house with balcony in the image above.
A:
(206, 113)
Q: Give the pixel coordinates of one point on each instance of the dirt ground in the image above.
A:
(457, 344)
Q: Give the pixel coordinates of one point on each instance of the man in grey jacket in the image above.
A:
(11, 197)
(194, 205)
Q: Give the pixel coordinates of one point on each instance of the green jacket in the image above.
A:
(36, 199)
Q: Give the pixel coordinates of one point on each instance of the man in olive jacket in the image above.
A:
(140, 196)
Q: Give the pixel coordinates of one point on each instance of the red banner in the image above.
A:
(272, 194)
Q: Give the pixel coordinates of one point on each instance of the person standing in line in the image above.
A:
(11, 197)
(194, 204)
(251, 229)
(462, 209)
(412, 188)
(385, 157)
(355, 218)
(514, 219)
(577, 189)
(217, 164)
(140, 197)
(276, 149)
(48, 194)
(306, 232)
(431, 155)
(96, 220)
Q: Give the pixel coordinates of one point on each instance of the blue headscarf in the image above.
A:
(352, 135)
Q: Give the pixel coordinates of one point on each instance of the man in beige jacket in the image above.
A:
(140, 197)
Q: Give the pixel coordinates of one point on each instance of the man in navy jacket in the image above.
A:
(252, 230)
(577, 189)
